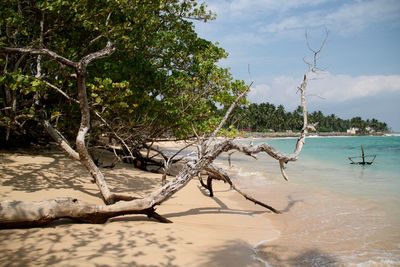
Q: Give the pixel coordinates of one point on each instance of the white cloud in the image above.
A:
(339, 88)
(345, 19)
(244, 38)
(332, 88)
(277, 16)
(240, 8)
(282, 90)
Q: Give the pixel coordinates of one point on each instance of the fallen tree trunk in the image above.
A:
(24, 213)
(27, 214)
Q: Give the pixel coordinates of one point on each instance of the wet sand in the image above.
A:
(321, 228)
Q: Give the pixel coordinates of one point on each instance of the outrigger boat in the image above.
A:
(363, 157)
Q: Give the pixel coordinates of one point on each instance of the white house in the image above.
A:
(369, 129)
(352, 130)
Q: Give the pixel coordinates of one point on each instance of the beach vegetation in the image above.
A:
(266, 117)
(162, 79)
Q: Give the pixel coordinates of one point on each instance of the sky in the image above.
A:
(360, 61)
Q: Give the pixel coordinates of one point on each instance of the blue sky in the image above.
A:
(361, 58)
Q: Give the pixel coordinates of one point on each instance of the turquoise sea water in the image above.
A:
(329, 156)
(340, 214)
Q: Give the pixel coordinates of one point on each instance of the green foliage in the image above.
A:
(162, 80)
(265, 117)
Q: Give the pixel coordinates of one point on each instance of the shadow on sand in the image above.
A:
(87, 245)
(53, 170)
(237, 253)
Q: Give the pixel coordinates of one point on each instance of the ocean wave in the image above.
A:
(392, 134)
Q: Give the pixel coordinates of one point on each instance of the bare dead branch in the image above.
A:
(121, 140)
(313, 66)
(168, 162)
(61, 141)
(282, 167)
(229, 111)
(86, 60)
(220, 174)
(40, 51)
(59, 91)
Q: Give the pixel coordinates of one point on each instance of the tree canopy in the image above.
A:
(162, 79)
(266, 117)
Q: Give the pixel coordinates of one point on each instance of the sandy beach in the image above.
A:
(219, 231)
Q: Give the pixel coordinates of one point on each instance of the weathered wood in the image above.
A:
(20, 213)
(39, 213)
(41, 51)
(219, 174)
(84, 127)
(61, 140)
(27, 214)
(363, 156)
(81, 152)
(81, 148)
(208, 186)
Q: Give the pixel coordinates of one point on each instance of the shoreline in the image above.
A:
(296, 134)
(219, 231)
(340, 215)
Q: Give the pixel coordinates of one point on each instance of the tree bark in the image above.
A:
(27, 214)
(61, 141)
(81, 152)
(81, 148)
(216, 173)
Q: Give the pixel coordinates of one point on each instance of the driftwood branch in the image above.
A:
(17, 213)
(105, 52)
(61, 141)
(170, 160)
(59, 91)
(21, 213)
(13, 213)
(229, 111)
(98, 115)
(216, 173)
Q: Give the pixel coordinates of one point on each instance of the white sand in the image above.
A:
(219, 231)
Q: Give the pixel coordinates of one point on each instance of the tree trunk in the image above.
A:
(84, 156)
(27, 214)
(21, 213)
(24, 213)
(81, 148)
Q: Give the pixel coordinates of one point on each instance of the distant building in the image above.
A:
(369, 129)
(353, 130)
